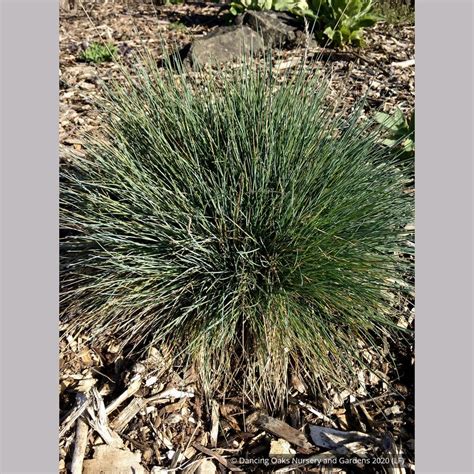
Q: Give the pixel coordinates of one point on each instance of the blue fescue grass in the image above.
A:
(235, 219)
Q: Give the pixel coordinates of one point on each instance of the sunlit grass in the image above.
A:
(236, 220)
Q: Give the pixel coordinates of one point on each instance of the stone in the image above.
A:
(276, 28)
(224, 45)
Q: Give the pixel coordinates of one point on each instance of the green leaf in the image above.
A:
(366, 21)
(392, 122)
(338, 39)
(389, 142)
(329, 32)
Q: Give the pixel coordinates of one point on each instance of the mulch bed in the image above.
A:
(149, 413)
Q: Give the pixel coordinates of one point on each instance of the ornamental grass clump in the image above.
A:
(237, 221)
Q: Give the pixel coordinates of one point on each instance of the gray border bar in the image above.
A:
(444, 236)
(29, 235)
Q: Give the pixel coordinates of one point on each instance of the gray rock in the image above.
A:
(224, 45)
(276, 28)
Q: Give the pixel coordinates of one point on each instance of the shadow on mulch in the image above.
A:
(213, 18)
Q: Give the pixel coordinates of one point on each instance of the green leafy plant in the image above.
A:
(99, 53)
(339, 21)
(343, 21)
(242, 225)
(401, 130)
(240, 6)
(298, 7)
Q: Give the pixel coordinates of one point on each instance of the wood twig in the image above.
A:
(332, 53)
(131, 390)
(97, 419)
(313, 410)
(283, 430)
(80, 445)
(221, 459)
(82, 402)
(120, 422)
(214, 423)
